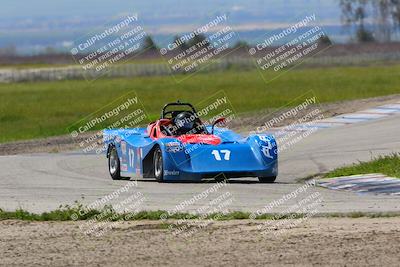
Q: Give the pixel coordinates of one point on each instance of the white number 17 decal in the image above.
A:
(217, 154)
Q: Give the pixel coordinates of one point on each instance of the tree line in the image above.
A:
(383, 16)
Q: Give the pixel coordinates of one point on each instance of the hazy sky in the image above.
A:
(162, 8)
(34, 24)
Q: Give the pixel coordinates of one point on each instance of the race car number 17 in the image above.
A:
(217, 154)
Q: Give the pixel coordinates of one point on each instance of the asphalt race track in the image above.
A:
(41, 182)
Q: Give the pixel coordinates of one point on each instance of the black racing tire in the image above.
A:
(267, 180)
(158, 165)
(114, 166)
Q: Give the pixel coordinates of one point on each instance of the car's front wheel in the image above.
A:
(267, 180)
(114, 164)
(158, 165)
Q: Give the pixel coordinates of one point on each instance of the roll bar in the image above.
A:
(177, 103)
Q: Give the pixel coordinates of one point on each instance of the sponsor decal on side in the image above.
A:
(266, 146)
(173, 147)
(124, 167)
(172, 173)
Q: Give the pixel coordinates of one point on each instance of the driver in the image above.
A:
(185, 123)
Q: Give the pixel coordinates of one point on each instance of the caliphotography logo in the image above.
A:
(199, 133)
(291, 125)
(208, 206)
(289, 47)
(98, 52)
(201, 47)
(125, 112)
(289, 211)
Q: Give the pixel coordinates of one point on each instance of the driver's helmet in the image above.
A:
(184, 122)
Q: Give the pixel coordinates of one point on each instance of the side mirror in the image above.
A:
(217, 121)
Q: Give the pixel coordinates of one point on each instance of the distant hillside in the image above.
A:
(33, 26)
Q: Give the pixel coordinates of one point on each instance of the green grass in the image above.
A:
(388, 165)
(41, 109)
(39, 65)
(32, 65)
(65, 214)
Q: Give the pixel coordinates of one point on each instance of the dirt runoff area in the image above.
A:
(317, 241)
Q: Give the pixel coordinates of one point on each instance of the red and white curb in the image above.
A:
(345, 119)
(374, 183)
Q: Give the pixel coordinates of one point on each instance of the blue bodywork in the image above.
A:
(236, 156)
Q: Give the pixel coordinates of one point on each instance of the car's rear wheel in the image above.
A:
(267, 180)
(158, 165)
(114, 164)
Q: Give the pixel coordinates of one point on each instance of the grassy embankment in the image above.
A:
(388, 165)
(42, 109)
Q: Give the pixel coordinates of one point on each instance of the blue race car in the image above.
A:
(179, 147)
